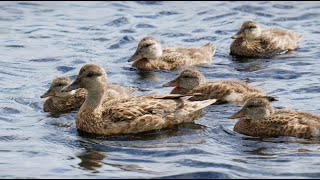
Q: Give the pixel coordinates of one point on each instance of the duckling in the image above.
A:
(254, 41)
(258, 118)
(192, 81)
(150, 55)
(128, 115)
(62, 101)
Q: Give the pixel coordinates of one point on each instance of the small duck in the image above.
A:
(67, 101)
(150, 55)
(258, 118)
(254, 41)
(128, 115)
(62, 101)
(191, 81)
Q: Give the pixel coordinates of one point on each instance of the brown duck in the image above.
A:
(128, 115)
(150, 55)
(62, 101)
(254, 41)
(67, 101)
(191, 81)
(258, 118)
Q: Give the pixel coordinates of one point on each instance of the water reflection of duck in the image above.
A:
(192, 81)
(91, 160)
(128, 115)
(258, 118)
(150, 55)
(254, 41)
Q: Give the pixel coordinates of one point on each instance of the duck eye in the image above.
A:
(60, 84)
(90, 75)
(252, 27)
(187, 77)
(147, 45)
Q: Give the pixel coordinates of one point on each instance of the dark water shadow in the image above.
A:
(91, 159)
(177, 130)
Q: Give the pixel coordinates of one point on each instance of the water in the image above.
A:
(43, 40)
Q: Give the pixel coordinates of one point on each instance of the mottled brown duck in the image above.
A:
(62, 101)
(67, 101)
(150, 55)
(259, 119)
(255, 41)
(191, 81)
(128, 115)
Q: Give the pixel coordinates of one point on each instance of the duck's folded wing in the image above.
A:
(288, 125)
(137, 107)
(278, 41)
(214, 91)
(77, 99)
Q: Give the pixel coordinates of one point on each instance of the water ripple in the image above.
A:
(118, 22)
(47, 42)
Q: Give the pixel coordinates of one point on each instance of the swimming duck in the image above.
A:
(128, 115)
(192, 81)
(258, 118)
(150, 55)
(62, 101)
(68, 101)
(254, 41)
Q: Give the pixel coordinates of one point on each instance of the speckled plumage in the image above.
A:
(61, 101)
(191, 81)
(254, 41)
(151, 56)
(274, 123)
(131, 114)
(65, 104)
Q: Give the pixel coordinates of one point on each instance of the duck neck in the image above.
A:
(94, 97)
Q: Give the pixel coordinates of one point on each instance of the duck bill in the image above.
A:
(48, 94)
(135, 56)
(239, 114)
(238, 35)
(173, 83)
(73, 86)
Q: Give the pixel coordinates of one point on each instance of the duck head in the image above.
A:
(90, 77)
(250, 30)
(56, 87)
(148, 48)
(187, 79)
(255, 109)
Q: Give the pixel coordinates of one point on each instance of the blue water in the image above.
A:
(43, 40)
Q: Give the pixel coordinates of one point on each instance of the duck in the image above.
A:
(62, 102)
(131, 114)
(191, 81)
(254, 41)
(58, 101)
(150, 55)
(259, 119)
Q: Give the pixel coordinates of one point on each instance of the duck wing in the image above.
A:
(293, 123)
(278, 41)
(77, 99)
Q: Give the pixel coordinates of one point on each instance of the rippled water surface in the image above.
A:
(43, 40)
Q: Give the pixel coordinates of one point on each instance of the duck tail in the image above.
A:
(199, 105)
(210, 46)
